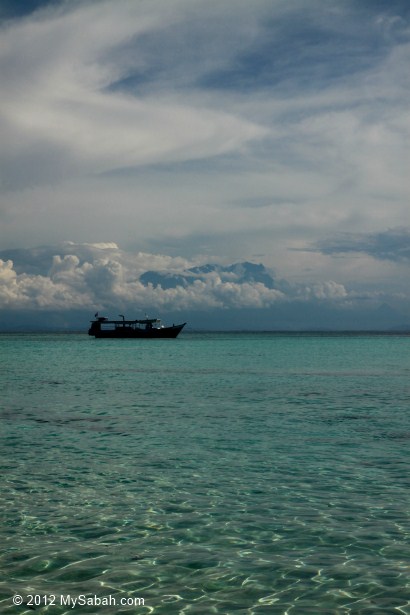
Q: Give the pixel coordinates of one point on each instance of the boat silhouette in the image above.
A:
(146, 328)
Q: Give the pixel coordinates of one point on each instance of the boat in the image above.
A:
(146, 328)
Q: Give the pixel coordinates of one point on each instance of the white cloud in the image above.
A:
(58, 102)
(25, 291)
(329, 290)
(104, 277)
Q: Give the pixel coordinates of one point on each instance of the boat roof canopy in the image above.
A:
(145, 321)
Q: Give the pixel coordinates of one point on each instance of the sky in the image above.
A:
(144, 139)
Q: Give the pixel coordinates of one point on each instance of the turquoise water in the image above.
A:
(215, 473)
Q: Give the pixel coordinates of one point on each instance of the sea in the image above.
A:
(218, 473)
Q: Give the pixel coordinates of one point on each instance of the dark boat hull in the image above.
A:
(136, 332)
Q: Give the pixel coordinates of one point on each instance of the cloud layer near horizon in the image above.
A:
(103, 277)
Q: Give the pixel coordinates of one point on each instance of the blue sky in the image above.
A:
(188, 132)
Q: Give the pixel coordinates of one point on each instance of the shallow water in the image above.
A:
(215, 473)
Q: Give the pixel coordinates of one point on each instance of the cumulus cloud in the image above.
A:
(112, 280)
(33, 292)
(327, 290)
(104, 277)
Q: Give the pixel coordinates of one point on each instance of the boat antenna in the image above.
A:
(121, 316)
